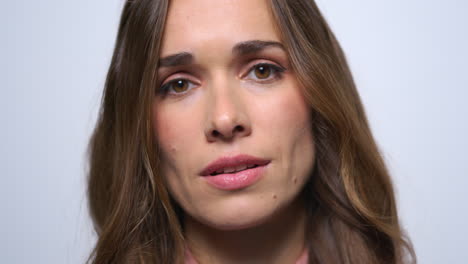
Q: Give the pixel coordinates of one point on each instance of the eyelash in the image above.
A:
(276, 72)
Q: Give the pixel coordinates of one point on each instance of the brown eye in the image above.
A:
(180, 85)
(265, 73)
(176, 87)
(262, 71)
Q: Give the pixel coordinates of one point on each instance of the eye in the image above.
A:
(176, 86)
(265, 72)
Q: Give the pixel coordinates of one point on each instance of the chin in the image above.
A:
(237, 214)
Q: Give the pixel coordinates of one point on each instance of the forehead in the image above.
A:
(215, 25)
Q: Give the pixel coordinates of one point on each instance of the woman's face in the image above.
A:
(227, 89)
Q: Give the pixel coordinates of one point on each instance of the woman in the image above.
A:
(232, 132)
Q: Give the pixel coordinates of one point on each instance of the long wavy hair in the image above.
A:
(352, 212)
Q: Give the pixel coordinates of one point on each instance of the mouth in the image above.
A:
(237, 179)
(233, 164)
(231, 170)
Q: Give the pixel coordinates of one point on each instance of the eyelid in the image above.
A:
(176, 77)
(275, 66)
(165, 88)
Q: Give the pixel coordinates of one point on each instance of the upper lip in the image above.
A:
(232, 161)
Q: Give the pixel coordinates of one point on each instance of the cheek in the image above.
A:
(288, 120)
(165, 132)
(174, 133)
(293, 113)
(289, 126)
(173, 130)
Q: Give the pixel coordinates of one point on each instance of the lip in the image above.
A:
(232, 161)
(236, 180)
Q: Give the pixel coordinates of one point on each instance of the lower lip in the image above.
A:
(238, 180)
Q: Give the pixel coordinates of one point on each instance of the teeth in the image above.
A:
(241, 167)
(234, 169)
(229, 169)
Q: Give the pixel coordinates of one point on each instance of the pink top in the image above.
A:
(303, 259)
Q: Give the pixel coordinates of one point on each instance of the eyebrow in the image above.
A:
(254, 46)
(182, 58)
(240, 49)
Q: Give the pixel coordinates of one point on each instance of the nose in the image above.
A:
(227, 116)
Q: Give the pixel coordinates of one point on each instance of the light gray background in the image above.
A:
(409, 59)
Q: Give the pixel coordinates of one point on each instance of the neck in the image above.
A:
(279, 240)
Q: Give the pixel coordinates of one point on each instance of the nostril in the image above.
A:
(216, 133)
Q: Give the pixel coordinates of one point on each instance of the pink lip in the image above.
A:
(237, 180)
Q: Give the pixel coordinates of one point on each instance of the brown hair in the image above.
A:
(352, 211)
